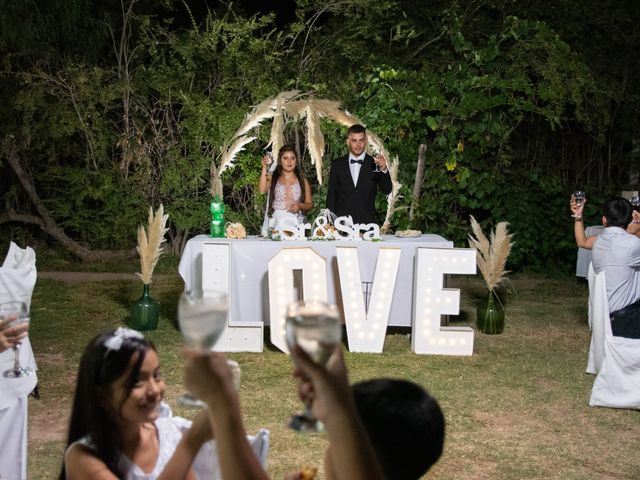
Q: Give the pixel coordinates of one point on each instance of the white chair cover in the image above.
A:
(616, 360)
(18, 275)
(17, 279)
(598, 316)
(206, 466)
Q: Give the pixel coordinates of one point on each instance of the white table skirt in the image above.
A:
(13, 414)
(249, 298)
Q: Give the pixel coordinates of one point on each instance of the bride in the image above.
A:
(289, 192)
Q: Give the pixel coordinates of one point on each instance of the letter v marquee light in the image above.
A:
(366, 330)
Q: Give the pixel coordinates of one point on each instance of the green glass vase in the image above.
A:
(490, 317)
(145, 312)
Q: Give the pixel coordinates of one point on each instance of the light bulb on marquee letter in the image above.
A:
(431, 301)
(314, 285)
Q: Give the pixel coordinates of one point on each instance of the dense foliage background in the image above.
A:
(112, 106)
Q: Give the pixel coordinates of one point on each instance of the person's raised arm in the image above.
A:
(578, 230)
(384, 178)
(265, 179)
(634, 227)
(208, 377)
(351, 455)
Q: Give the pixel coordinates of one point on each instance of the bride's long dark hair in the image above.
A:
(278, 172)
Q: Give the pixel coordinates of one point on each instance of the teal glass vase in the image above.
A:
(490, 316)
(145, 312)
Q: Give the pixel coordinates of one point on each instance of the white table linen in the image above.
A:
(249, 298)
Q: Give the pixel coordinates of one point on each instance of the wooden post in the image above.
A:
(417, 186)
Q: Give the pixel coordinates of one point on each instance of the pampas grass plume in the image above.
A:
(150, 243)
(492, 253)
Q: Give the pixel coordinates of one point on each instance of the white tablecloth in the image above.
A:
(13, 414)
(249, 299)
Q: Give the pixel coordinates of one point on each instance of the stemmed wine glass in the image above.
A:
(315, 327)
(375, 165)
(202, 318)
(579, 197)
(16, 312)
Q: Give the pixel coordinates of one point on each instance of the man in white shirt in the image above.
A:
(616, 251)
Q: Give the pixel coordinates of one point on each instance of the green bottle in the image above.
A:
(217, 217)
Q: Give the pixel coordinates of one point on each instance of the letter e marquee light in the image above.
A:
(431, 301)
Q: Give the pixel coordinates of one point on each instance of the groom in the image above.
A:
(353, 183)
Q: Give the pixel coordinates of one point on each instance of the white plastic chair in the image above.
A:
(615, 360)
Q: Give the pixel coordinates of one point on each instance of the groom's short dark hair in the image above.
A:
(356, 129)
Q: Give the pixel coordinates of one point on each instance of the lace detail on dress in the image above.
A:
(285, 195)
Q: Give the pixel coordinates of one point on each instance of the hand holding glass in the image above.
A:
(16, 312)
(376, 169)
(579, 198)
(202, 319)
(315, 327)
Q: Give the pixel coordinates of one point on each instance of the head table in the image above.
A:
(248, 270)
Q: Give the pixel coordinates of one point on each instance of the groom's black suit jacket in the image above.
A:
(343, 198)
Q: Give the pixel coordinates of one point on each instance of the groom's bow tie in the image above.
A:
(356, 161)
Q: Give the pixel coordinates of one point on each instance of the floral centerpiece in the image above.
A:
(492, 257)
(145, 312)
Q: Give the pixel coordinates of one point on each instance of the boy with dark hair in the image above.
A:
(405, 425)
(617, 212)
(616, 251)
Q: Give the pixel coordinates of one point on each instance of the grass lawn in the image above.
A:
(518, 408)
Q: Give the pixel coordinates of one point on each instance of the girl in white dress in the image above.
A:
(289, 192)
(116, 430)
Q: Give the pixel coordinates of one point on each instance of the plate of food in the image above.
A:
(408, 233)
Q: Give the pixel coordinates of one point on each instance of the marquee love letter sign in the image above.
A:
(281, 293)
(366, 330)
